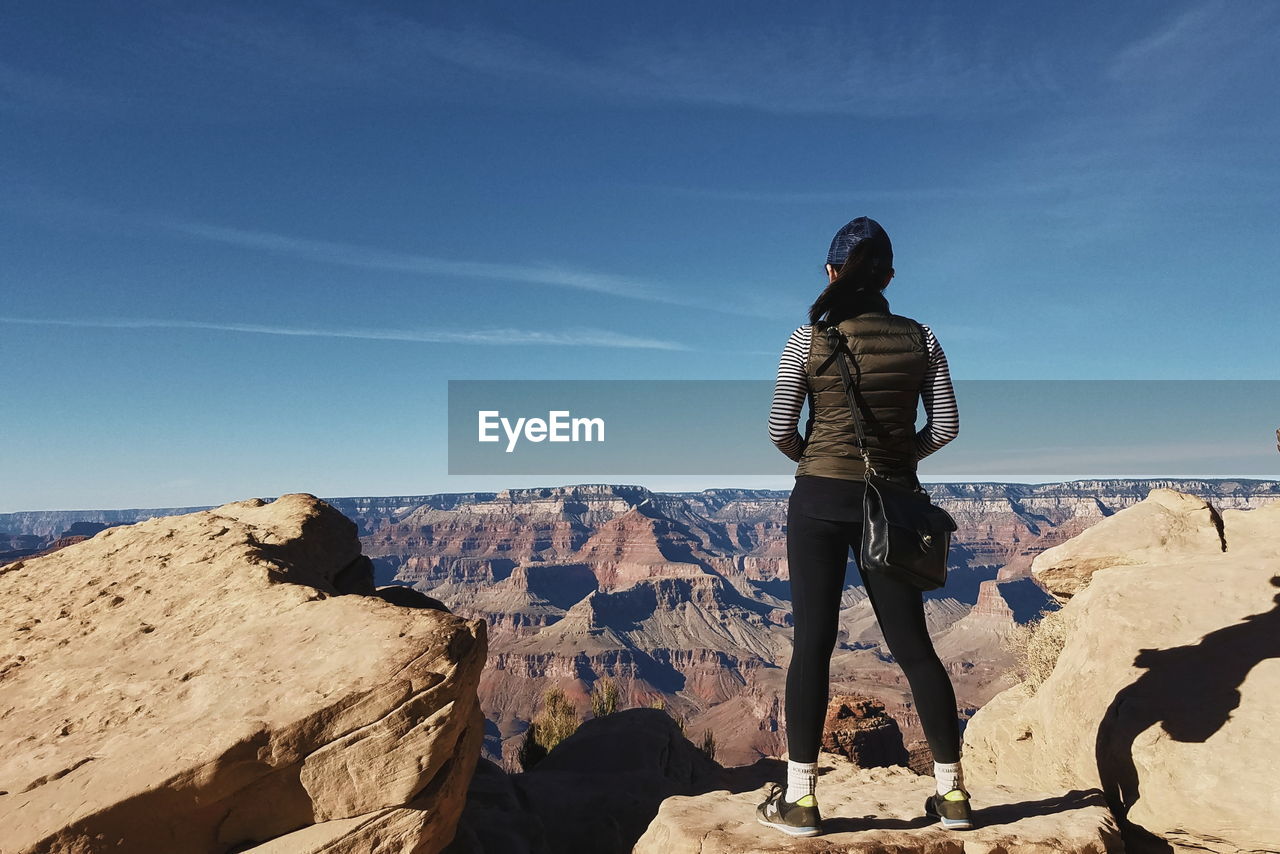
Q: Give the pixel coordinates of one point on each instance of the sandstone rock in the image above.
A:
(882, 810)
(1167, 692)
(200, 683)
(920, 756)
(859, 729)
(1166, 523)
(418, 827)
(991, 605)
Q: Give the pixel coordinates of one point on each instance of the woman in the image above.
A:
(899, 361)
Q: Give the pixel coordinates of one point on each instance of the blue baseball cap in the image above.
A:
(853, 233)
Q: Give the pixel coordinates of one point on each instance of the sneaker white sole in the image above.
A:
(948, 823)
(789, 830)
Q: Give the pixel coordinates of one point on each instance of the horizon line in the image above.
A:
(970, 481)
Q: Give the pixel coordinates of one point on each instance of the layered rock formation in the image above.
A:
(686, 595)
(920, 756)
(230, 679)
(1167, 693)
(47, 523)
(526, 560)
(859, 729)
(678, 595)
(876, 810)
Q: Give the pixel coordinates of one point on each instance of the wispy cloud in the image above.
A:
(1196, 46)
(533, 273)
(854, 194)
(915, 64)
(23, 198)
(1194, 60)
(575, 337)
(1164, 38)
(223, 60)
(364, 257)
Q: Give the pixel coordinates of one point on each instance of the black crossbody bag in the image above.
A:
(903, 532)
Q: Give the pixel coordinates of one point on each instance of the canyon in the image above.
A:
(683, 597)
(244, 679)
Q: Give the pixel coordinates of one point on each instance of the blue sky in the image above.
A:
(244, 247)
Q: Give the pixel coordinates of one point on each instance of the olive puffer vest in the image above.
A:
(891, 359)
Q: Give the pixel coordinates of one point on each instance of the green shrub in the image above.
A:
(604, 698)
(557, 721)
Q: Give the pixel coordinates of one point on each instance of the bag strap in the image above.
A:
(839, 347)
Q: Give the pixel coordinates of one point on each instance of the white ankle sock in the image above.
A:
(948, 775)
(802, 779)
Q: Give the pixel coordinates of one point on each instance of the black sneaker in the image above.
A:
(797, 819)
(952, 809)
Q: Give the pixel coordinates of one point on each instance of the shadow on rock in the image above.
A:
(1190, 691)
(596, 791)
(989, 816)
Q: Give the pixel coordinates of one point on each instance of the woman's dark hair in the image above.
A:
(856, 286)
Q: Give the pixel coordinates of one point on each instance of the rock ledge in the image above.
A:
(882, 810)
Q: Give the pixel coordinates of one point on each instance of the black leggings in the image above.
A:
(823, 522)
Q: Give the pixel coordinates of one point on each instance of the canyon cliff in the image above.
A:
(685, 596)
(246, 679)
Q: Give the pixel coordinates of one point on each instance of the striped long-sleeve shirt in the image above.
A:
(791, 389)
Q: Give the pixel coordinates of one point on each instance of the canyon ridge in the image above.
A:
(682, 598)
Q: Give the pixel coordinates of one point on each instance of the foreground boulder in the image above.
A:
(876, 810)
(1166, 694)
(230, 680)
